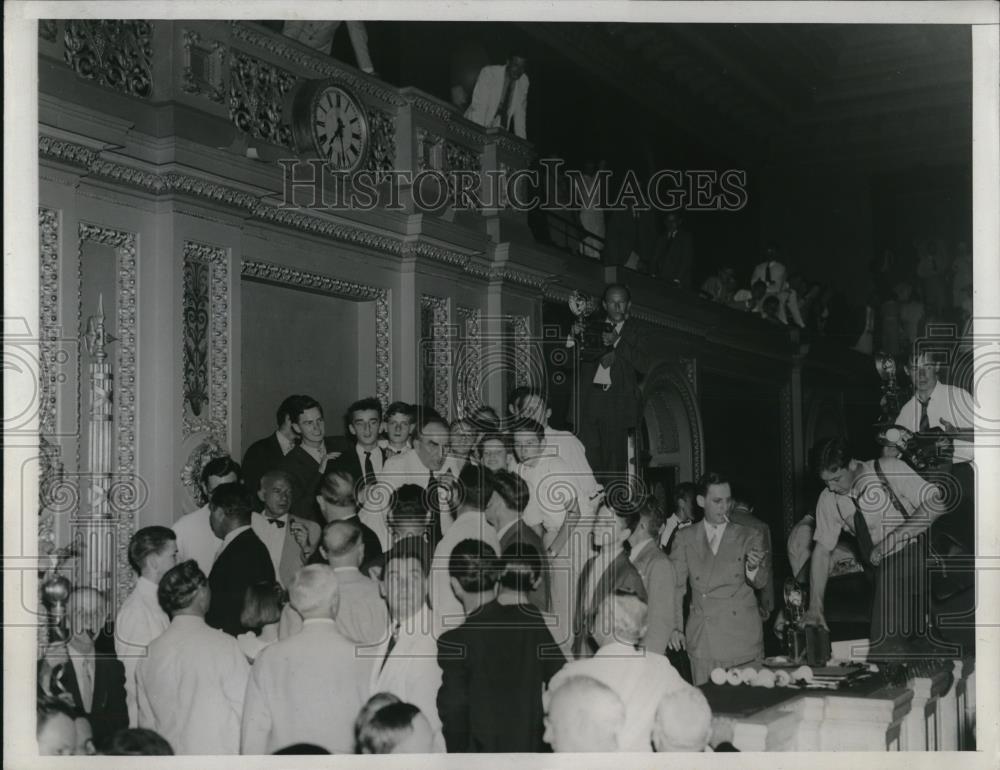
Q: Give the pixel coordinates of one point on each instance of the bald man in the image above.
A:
(583, 714)
(683, 721)
(362, 617)
(309, 687)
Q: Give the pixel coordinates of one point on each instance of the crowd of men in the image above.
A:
(426, 587)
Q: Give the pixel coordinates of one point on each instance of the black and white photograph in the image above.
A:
(501, 379)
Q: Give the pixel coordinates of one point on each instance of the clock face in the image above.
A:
(340, 129)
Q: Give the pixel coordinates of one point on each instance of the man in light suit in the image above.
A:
(309, 687)
(723, 562)
(405, 663)
(289, 539)
(658, 577)
(501, 96)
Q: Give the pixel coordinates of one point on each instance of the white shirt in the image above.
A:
(640, 678)
(570, 449)
(949, 403)
(83, 667)
(447, 609)
(272, 536)
(672, 523)
(140, 620)
(603, 374)
(196, 540)
(286, 444)
(190, 688)
(551, 492)
(405, 468)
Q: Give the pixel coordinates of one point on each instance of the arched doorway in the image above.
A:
(672, 431)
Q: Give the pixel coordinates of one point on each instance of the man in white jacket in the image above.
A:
(501, 96)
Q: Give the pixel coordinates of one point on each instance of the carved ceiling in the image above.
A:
(784, 93)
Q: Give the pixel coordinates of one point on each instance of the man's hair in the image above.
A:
(475, 485)
(628, 512)
(683, 721)
(387, 728)
(147, 542)
(612, 286)
(426, 416)
(262, 604)
(406, 506)
(219, 467)
(686, 490)
(710, 479)
(373, 704)
(832, 454)
(297, 749)
(304, 403)
(516, 396)
(473, 564)
(649, 511)
(523, 393)
(399, 407)
(337, 487)
(273, 475)
(138, 742)
(410, 548)
(314, 587)
(48, 707)
(587, 703)
(341, 537)
(628, 615)
(362, 405)
(286, 409)
(522, 566)
(179, 586)
(527, 425)
(234, 500)
(513, 490)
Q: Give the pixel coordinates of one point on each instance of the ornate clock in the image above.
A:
(329, 120)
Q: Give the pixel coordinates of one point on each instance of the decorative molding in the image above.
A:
(382, 146)
(461, 158)
(49, 326)
(511, 146)
(428, 107)
(676, 378)
(257, 91)
(206, 340)
(312, 61)
(48, 29)
(522, 348)
(689, 366)
(115, 54)
(468, 364)
(124, 495)
(269, 272)
(202, 74)
(439, 254)
(430, 150)
(439, 361)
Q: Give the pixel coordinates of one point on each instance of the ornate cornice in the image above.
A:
(316, 63)
(511, 146)
(440, 374)
(337, 287)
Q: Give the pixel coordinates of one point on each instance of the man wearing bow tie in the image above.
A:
(722, 560)
(290, 540)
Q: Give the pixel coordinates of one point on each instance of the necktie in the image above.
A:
(393, 638)
(279, 523)
(713, 540)
(864, 537)
(369, 469)
(925, 423)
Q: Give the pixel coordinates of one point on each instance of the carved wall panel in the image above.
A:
(520, 338)
(468, 361)
(116, 54)
(382, 152)
(325, 284)
(257, 92)
(202, 72)
(435, 353)
(49, 327)
(206, 306)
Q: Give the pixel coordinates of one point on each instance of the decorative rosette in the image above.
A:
(581, 305)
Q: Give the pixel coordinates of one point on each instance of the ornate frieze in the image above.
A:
(257, 92)
(313, 62)
(337, 287)
(48, 234)
(115, 54)
(202, 71)
(461, 158)
(521, 348)
(429, 150)
(382, 148)
(206, 339)
(435, 352)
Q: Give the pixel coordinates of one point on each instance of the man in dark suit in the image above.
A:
(674, 253)
(609, 386)
(93, 680)
(364, 422)
(306, 462)
(503, 511)
(631, 238)
(608, 572)
(267, 453)
(496, 663)
(242, 561)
